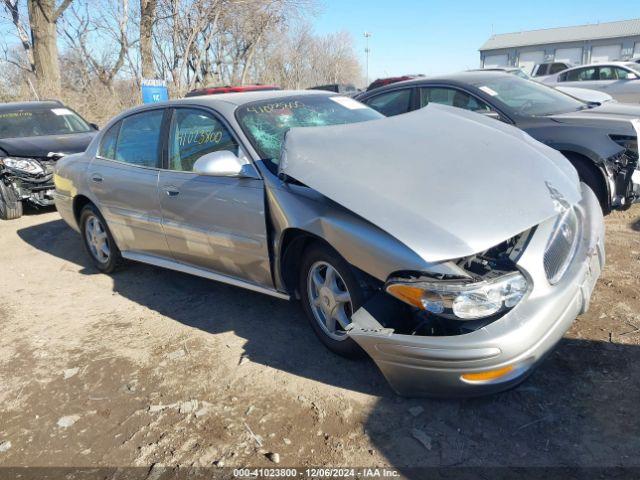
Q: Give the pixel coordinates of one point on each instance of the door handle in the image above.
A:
(96, 178)
(171, 191)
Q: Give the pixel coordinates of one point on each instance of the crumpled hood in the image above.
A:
(446, 182)
(41, 146)
(617, 116)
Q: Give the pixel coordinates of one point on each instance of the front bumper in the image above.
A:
(433, 366)
(37, 191)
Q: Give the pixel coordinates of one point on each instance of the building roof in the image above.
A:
(623, 28)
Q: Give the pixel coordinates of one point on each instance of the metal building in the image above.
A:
(578, 45)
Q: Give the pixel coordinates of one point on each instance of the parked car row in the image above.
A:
(451, 228)
(621, 80)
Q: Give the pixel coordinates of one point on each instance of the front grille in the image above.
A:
(562, 245)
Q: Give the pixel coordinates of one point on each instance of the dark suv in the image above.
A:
(33, 136)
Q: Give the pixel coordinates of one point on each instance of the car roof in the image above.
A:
(494, 69)
(602, 64)
(242, 98)
(474, 76)
(10, 106)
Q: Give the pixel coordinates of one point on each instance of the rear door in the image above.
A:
(215, 223)
(124, 180)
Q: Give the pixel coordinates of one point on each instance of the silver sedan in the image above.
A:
(453, 249)
(621, 80)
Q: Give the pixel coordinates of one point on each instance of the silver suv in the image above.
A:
(453, 249)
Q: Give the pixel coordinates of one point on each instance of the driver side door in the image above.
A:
(213, 223)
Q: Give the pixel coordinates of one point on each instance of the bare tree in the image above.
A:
(147, 18)
(102, 37)
(12, 8)
(43, 18)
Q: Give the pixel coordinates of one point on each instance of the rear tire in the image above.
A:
(330, 293)
(98, 241)
(10, 204)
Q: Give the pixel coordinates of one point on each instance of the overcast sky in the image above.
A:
(435, 36)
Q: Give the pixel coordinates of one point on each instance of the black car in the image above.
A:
(600, 140)
(33, 135)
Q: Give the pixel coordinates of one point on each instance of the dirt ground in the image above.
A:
(149, 366)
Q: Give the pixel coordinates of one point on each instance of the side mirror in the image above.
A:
(632, 76)
(94, 125)
(491, 114)
(223, 163)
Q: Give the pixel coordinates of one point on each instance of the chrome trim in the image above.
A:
(200, 272)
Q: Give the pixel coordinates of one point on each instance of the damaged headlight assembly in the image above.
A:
(459, 299)
(26, 165)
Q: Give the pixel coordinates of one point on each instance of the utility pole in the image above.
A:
(367, 35)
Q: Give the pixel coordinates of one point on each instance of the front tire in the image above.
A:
(98, 241)
(10, 204)
(330, 294)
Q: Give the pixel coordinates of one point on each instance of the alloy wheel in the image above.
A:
(97, 240)
(329, 299)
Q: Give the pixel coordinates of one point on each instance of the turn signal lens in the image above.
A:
(407, 293)
(488, 375)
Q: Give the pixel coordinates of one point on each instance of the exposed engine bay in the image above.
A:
(481, 269)
(620, 168)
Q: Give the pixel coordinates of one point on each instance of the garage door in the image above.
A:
(527, 60)
(492, 61)
(569, 55)
(605, 53)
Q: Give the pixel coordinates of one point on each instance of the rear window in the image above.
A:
(41, 122)
(557, 67)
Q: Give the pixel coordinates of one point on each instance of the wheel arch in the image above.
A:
(583, 163)
(292, 246)
(79, 202)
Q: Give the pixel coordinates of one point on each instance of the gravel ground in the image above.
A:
(149, 366)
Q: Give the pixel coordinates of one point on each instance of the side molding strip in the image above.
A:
(200, 272)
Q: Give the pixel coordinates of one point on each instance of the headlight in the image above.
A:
(464, 301)
(28, 165)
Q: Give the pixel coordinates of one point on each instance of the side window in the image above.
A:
(108, 142)
(557, 67)
(622, 74)
(193, 134)
(453, 98)
(139, 139)
(581, 75)
(392, 103)
(607, 73)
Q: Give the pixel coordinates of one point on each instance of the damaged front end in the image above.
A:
(623, 172)
(485, 328)
(30, 179)
(511, 244)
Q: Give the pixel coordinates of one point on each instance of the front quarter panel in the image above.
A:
(362, 244)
